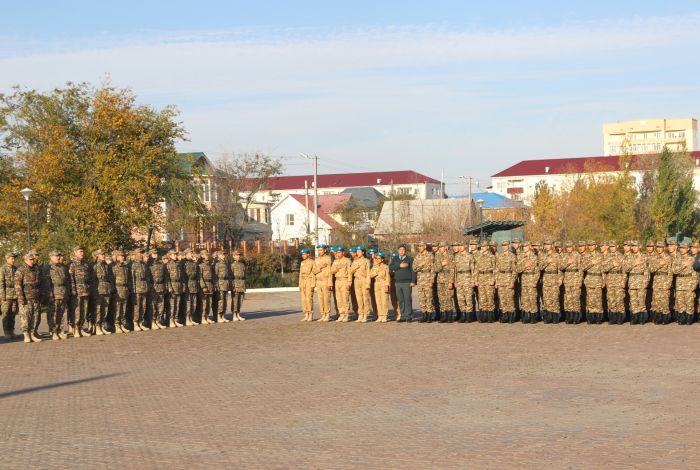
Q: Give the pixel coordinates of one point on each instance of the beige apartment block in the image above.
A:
(649, 136)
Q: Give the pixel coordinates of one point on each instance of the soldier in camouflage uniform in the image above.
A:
(222, 285)
(572, 271)
(529, 277)
(104, 289)
(382, 279)
(56, 285)
(324, 282)
(141, 284)
(340, 270)
(661, 268)
(464, 284)
(443, 266)
(637, 270)
(672, 248)
(192, 287)
(615, 283)
(594, 268)
(686, 282)
(423, 267)
(361, 281)
(81, 288)
(307, 283)
(8, 297)
(549, 263)
(238, 285)
(507, 273)
(122, 288)
(485, 280)
(175, 287)
(159, 279)
(206, 282)
(29, 292)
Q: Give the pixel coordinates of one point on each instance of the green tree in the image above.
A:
(673, 199)
(100, 164)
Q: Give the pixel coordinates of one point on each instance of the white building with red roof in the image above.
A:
(520, 181)
(293, 217)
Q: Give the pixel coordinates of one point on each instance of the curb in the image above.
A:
(272, 290)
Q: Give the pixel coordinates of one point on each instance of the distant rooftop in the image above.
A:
(492, 200)
(348, 180)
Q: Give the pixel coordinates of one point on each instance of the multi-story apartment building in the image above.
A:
(649, 136)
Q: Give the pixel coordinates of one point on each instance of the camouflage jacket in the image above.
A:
(572, 269)
(28, 283)
(595, 270)
(140, 277)
(192, 275)
(7, 282)
(206, 276)
(423, 267)
(103, 279)
(444, 268)
(661, 266)
(686, 278)
(527, 266)
(159, 276)
(222, 275)
(81, 278)
(613, 266)
(306, 274)
(550, 265)
(637, 270)
(506, 267)
(381, 276)
(176, 277)
(122, 280)
(56, 281)
(464, 264)
(238, 276)
(360, 272)
(485, 269)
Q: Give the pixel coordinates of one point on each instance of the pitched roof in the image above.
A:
(492, 200)
(327, 204)
(367, 197)
(563, 166)
(346, 180)
(413, 216)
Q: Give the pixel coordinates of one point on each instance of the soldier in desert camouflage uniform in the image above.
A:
(423, 267)
(238, 276)
(594, 281)
(206, 283)
(529, 277)
(661, 268)
(507, 272)
(637, 270)
(122, 287)
(159, 278)
(615, 283)
(81, 289)
(443, 266)
(464, 284)
(686, 282)
(485, 269)
(191, 270)
(572, 272)
(8, 297)
(57, 290)
(104, 289)
(549, 264)
(28, 287)
(223, 285)
(141, 285)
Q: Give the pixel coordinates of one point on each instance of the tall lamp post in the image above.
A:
(481, 219)
(26, 192)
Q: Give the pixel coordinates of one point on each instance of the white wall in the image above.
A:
(282, 231)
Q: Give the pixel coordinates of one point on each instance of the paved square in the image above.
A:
(276, 393)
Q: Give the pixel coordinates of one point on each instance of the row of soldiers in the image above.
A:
(476, 281)
(119, 291)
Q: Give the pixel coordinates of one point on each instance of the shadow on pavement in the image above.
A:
(271, 313)
(38, 388)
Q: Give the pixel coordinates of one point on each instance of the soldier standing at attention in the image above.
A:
(192, 275)
(307, 283)
(661, 268)
(159, 278)
(615, 282)
(176, 287)
(572, 270)
(122, 287)
(28, 288)
(404, 280)
(485, 280)
(206, 283)
(686, 282)
(464, 285)
(8, 297)
(141, 282)
(672, 252)
(56, 287)
(80, 276)
(371, 254)
(382, 280)
(353, 298)
(530, 275)
(340, 269)
(594, 282)
(549, 263)
(507, 272)
(360, 273)
(324, 282)
(425, 277)
(392, 291)
(223, 285)
(104, 283)
(638, 280)
(444, 269)
(238, 285)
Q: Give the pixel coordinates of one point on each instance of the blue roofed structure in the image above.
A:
(492, 200)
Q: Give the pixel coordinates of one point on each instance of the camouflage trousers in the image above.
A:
(445, 300)
(425, 298)
(506, 299)
(221, 302)
(206, 305)
(190, 306)
(487, 303)
(572, 298)
(120, 304)
(102, 303)
(638, 305)
(157, 307)
(528, 301)
(140, 302)
(29, 315)
(56, 312)
(685, 302)
(78, 311)
(237, 301)
(464, 291)
(594, 305)
(550, 303)
(8, 310)
(660, 304)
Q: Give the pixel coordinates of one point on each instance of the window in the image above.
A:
(206, 191)
(289, 219)
(267, 215)
(516, 197)
(675, 135)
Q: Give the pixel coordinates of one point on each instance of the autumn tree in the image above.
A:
(100, 165)
(673, 200)
(545, 213)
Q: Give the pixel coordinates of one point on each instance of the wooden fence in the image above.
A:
(246, 248)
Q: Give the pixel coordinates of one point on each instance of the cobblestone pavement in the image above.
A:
(272, 392)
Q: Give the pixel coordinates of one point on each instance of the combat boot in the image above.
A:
(55, 337)
(240, 318)
(27, 338)
(99, 331)
(172, 324)
(137, 326)
(35, 338)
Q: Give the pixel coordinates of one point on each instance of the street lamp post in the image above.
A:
(481, 219)
(26, 192)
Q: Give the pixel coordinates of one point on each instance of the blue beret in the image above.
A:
(371, 250)
(321, 245)
(361, 247)
(340, 248)
(304, 250)
(394, 255)
(380, 254)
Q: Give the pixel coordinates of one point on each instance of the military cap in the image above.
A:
(672, 242)
(458, 243)
(55, 253)
(484, 243)
(547, 242)
(78, 247)
(302, 251)
(683, 245)
(186, 251)
(442, 243)
(612, 243)
(492, 243)
(633, 243)
(422, 243)
(650, 243)
(203, 252)
(626, 243)
(473, 241)
(660, 244)
(569, 243)
(97, 252)
(557, 243)
(581, 243)
(527, 243)
(516, 240)
(590, 242)
(12, 254)
(505, 242)
(33, 253)
(394, 255)
(372, 250)
(340, 248)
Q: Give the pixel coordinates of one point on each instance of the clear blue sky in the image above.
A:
(467, 88)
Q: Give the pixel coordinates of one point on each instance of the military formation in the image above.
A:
(469, 281)
(119, 292)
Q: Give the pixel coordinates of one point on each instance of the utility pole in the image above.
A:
(393, 214)
(469, 180)
(306, 197)
(315, 159)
